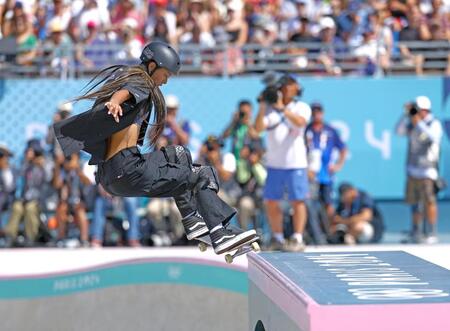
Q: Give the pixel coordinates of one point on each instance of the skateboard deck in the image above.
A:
(230, 255)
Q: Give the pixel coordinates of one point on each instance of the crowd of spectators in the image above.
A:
(350, 32)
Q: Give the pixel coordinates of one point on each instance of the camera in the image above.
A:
(270, 94)
(412, 109)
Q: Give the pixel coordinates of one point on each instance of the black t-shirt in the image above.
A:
(90, 130)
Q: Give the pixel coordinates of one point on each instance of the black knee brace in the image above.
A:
(178, 154)
(207, 177)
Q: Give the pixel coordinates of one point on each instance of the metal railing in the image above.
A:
(225, 59)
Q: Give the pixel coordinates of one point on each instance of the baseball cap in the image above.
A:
(423, 102)
(55, 26)
(36, 146)
(65, 106)
(327, 23)
(172, 101)
(316, 106)
(287, 78)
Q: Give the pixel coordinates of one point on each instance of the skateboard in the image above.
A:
(239, 250)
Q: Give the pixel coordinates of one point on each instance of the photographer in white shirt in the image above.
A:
(284, 118)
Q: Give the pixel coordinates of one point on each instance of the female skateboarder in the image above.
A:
(111, 130)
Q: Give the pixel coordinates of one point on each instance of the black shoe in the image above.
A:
(224, 240)
(194, 226)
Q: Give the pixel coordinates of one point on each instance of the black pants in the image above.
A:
(132, 174)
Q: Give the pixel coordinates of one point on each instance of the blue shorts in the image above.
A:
(294, 182)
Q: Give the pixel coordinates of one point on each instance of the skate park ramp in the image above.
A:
(121, 289)
(360, 288)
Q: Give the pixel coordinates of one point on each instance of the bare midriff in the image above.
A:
(123, 139)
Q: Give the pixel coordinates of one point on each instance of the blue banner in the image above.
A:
(364, 110)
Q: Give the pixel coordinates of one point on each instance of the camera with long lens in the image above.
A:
(270, 94)
(412, 109)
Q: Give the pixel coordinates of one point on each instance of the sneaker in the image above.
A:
(294, 245)
(431, 240)
(224, 239)
(276, 245)
(194, 226)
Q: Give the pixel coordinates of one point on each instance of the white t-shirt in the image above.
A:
(285, 142)
(229, 162)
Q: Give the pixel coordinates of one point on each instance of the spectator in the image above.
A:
(240, 128)
(285, 119)
(302, 34)
(251, 176)
(357, 218)
(59, 14)
(371, 54)
(26, 41)
(424, 134)
(58, 49)
(130, 41)
(103, 202)
(322, 142)
(69, 180)
(7, 181)
(27, 205)
(158, 10)
(161, 32)
(440, 18)
(12, 10)
(191, 33)
(40, 23)
(96, 51)
(233, 30)
(328, 51)
(123, 10)
(95, 15)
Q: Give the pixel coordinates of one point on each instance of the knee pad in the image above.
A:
(207, 176)
(178, 154)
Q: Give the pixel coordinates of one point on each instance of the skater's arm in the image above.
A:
(114, 103)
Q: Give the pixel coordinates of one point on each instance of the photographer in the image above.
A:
(284, 118)
(70, 182)
(240, 129)
(27, 206)
(424, 134)
(250, 176)
(357, 218)
(7, 180)
(210, 155)
(63, 111)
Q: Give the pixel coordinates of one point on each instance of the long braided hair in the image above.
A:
(114, 78)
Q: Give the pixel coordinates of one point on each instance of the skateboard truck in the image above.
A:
(238, 251)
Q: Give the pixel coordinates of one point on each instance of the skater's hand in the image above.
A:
(114, 109)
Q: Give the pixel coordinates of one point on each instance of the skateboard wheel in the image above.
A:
(202, 247)
(255, 247)
(228, 258)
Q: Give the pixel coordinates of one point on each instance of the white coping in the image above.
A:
(23, 262)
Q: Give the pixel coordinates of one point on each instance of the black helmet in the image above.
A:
(163, 54)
